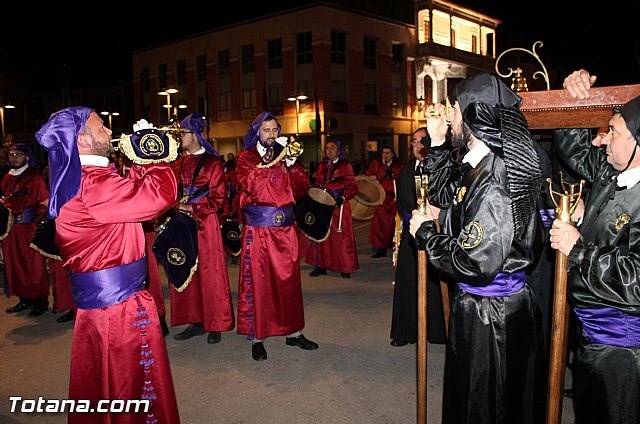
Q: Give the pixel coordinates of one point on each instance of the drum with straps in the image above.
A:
(370, 195)
(176, 247)
(6, 221)
(44, 239)
(313, 213)
(231, 236)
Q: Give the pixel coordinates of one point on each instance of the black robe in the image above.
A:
(604, 272)
(495, 346)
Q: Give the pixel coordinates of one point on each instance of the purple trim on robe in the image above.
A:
(610, 326)
(98, 289)
(547, 215)
(27, 216)
(406, 218)
(268, 216)
(504, 284)
(190, 190)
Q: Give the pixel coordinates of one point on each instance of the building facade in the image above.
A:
(365, 78)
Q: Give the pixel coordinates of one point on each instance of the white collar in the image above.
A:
(629, 178)
(418, 164)
(200, 151)
(261, 149)
(18, 171)
(94, 160)
(476, 154)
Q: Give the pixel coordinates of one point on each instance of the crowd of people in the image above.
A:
(482, 229)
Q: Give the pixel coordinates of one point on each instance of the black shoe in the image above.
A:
(190, 331)
(345, 275)
(164, 326)
(258, 352)
(39, 306)
(214, 337)
(20, 306)
(318, 271)
(302, 342)
(381, 253)
(69, 316)
(398, 342)
(37, 311)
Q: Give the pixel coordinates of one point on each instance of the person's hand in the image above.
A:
(437, 127)
(417, 219)
(578, 84)
(563, 236)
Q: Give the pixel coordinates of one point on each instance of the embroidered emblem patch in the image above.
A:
(460, 193)
(278, 218)
(309, 218)
(622, 220)
(151, 145)
(472, 235)
(176, 256)
(269, 154)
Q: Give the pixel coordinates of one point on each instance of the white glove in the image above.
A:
(142, 125)
(283, 141)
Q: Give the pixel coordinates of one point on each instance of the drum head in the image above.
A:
(322, 196)
(6, 222)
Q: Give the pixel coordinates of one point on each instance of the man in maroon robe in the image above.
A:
(386, 169)
(338, 252)
(205, 303)
(25, 194)
(118, 350)
(269, 291)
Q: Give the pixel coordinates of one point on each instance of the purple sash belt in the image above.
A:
(98, 289)
(268, 216)
(27, 216)
(609, 326)
(195, 193)
(504, 284)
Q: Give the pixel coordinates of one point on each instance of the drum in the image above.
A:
(176, 247)
(370, 195)
(44, 239)
(231, 236)
(6, 221)
(313, 213)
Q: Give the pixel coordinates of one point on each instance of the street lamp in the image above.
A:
(297, 100)
(110, 114)
(2, 108)
(168, 92)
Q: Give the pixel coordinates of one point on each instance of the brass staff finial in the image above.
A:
(567, 200)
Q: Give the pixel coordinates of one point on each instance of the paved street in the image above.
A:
(355, 377)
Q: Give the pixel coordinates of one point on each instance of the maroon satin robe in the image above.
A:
(207, 298)
(269, 289)
(25, 267)
(383, 221)
(338, 252)
(97, 229)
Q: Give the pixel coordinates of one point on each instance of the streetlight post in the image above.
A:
(168, 92)
(297, 100)
(2, 108)
(110, 115)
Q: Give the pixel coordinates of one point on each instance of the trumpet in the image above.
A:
(432, 111)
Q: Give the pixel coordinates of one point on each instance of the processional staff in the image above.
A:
(566, 203)
(421, 182)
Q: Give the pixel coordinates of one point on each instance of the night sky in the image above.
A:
(93, 41)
